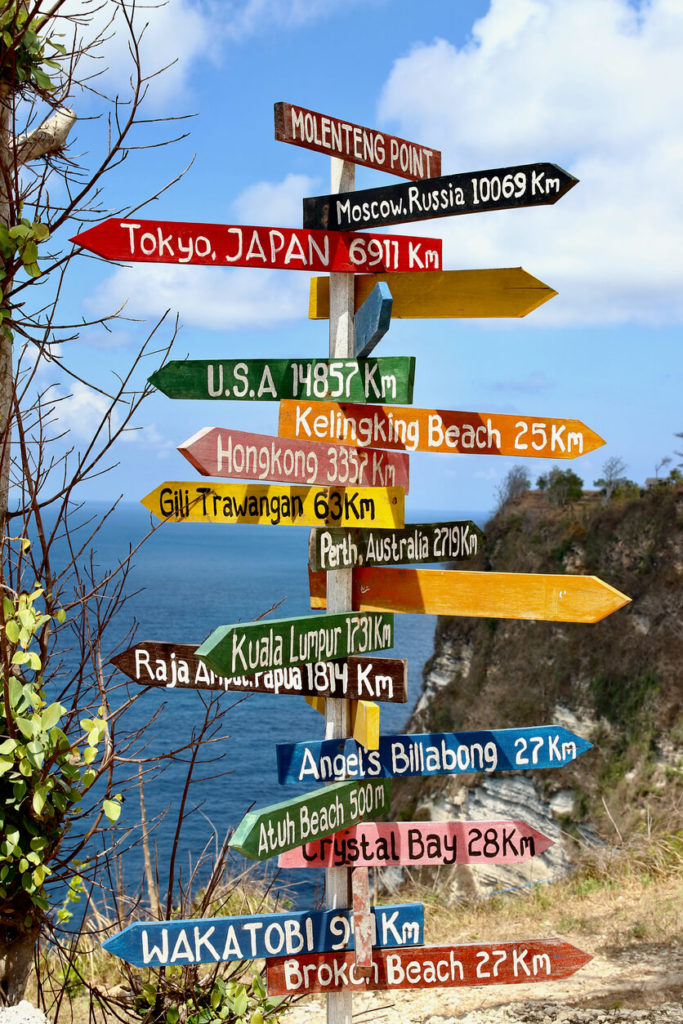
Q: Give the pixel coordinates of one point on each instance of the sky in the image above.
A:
(593, 86)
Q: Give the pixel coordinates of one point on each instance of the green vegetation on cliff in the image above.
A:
(620, 679)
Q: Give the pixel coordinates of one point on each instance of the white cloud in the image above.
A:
(277, 203)
(206, 297)
(158, 28)
(594, 86)
(250, 17)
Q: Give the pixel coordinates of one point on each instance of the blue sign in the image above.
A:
(434, 753)
(372, 320)
(212, 940)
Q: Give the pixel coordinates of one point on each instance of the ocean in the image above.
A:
(186, 580)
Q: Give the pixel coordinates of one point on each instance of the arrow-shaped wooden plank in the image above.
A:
(184, 501)
(432, 753)
(502, 188)
(489, 595)
(281, 643)
(176, 666)
(239, 245)
(496, 963)
(389, 378)
(211, 940)
(510, 291)
(446, 431)
(217, 451)
(413, 843)
(415, 542)
(372, 320)
(272, 830)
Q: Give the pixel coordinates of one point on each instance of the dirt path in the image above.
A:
(643, 984)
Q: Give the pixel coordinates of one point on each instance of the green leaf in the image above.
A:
(112, 809)
(8, 746)
(172, 1015)
(12, 631)
(61, 616)
(42, 80)
(240, 1001)
(39, 798)
(32, 269)
(51, 716)
(40, 231)
(30, 252)
(25, 726)
(19, 658)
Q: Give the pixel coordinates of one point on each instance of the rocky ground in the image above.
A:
(643, 986)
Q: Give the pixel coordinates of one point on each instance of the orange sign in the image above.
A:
(489, 595)
(436, 430)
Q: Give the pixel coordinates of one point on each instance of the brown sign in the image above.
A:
(175, 666)
(497, 963)
(353, 142)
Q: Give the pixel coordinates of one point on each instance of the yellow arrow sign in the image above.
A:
(183, 502)
(510, 291)
(489, 595)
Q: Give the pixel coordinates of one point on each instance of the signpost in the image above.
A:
(182, 501)
(496, 963)
(354, 143)
(434, 753)
(273, 830)
(419, 843)
(503, 188)
(364, 720)
(213, 940)
(510, 291)
(363, 491)
(489, 595)
(281, 643)
(373, 319)
(176, 666)
(215, 451)
(416, 542)
(437, 430)
(271, 380)
(239, 245)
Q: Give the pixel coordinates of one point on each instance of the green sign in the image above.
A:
(281, 827)
(270, 380)
(249, 647)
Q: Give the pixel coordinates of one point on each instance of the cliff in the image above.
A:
(618, 683)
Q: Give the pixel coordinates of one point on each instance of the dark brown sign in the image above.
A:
(354, 143)
(417, 542)
(175, 666)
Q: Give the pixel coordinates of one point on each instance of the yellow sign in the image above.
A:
(510, 291)
(183, 502)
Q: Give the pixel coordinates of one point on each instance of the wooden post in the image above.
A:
(337, 724)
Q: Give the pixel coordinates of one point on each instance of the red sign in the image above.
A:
(238, 245)
(380, 844)
(354, 143)
(243, 456)
(496, 963)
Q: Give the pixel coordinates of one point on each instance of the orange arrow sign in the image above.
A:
(436, 430)
(489, 595)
